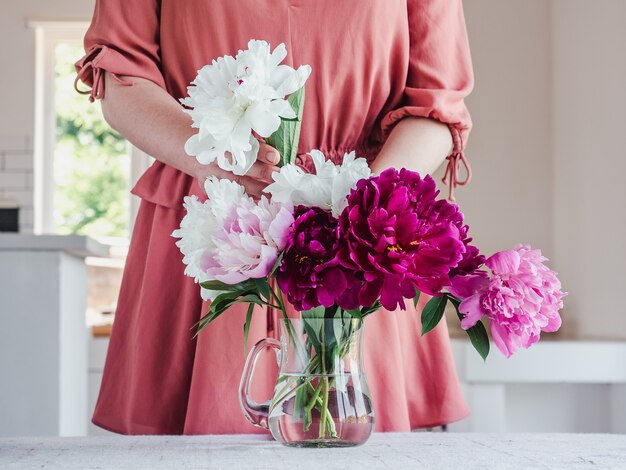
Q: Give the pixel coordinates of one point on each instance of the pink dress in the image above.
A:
(374, 62)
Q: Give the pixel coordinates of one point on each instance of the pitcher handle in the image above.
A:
(256, 413)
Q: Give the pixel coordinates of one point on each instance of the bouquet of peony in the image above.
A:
(339, 242)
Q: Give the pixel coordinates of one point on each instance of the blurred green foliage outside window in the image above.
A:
(91, 161)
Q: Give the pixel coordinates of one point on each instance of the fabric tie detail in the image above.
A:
(453, 171)
(90, 67)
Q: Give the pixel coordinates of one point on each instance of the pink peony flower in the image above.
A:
(521, 298)
(310, 274)
(249, 241)
(400, 237)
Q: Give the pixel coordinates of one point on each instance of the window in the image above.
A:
(91, 162)
(83, 169)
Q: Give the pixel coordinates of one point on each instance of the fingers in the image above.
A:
(254, 188)
(255, 180)
(262, 172)
(268, 154)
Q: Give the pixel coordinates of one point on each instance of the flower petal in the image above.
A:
(504, 262)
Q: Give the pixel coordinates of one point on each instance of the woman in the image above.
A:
(389, 79)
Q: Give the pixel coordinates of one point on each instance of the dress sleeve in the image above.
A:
(123, 39)
(440, 76)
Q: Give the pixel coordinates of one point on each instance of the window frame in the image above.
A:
(48, 34)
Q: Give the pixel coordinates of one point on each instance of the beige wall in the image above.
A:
(510, 197)
(590, 161)
(546, 149)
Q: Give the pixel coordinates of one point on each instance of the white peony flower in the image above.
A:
(233, 97)
(352, 170)
(200, 224)
(328, 188)
(196, 237)
(293, 184)
(222, 195)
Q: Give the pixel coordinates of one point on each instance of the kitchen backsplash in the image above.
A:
(16, 177)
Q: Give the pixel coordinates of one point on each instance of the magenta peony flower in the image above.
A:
(521, 298)
(310, 273)
(400, 237)
(472, 259)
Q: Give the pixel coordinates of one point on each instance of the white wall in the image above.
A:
(590, 162)
(17, 85)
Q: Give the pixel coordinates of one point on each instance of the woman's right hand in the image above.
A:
(255, 181)
(158, 126)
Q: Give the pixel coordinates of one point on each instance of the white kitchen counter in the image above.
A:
(43, 339)
(439, 451)
(71, 244)
(555, 386)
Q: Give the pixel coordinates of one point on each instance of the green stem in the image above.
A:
(279, 301)
(316, 394)
(294, 340)
(324, 408)
(283, 397)
(328, 420)
(324, 382)
(300, 391)
(272, 305)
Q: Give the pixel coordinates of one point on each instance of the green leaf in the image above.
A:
(246, 327)
(314, 313)
(222, 303)
(264, 288)
(312, 335)
(433, 312)
(312, 322)
(216, 285)
(332, 312)
(214, 312)
(252, 297)
(296, 100)
(365, 311)
(221, 286)
(454, 301)
(416, 298)
(277, 264)
(479, 339)
(477, 334)
(287, 136)
(356, 313)
(206, 320)
(222, 298)
(330, 338)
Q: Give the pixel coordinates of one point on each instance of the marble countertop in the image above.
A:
(420, 450)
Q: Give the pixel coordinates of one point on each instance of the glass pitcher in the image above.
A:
(321, 398)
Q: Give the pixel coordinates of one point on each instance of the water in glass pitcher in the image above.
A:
(332, 410)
